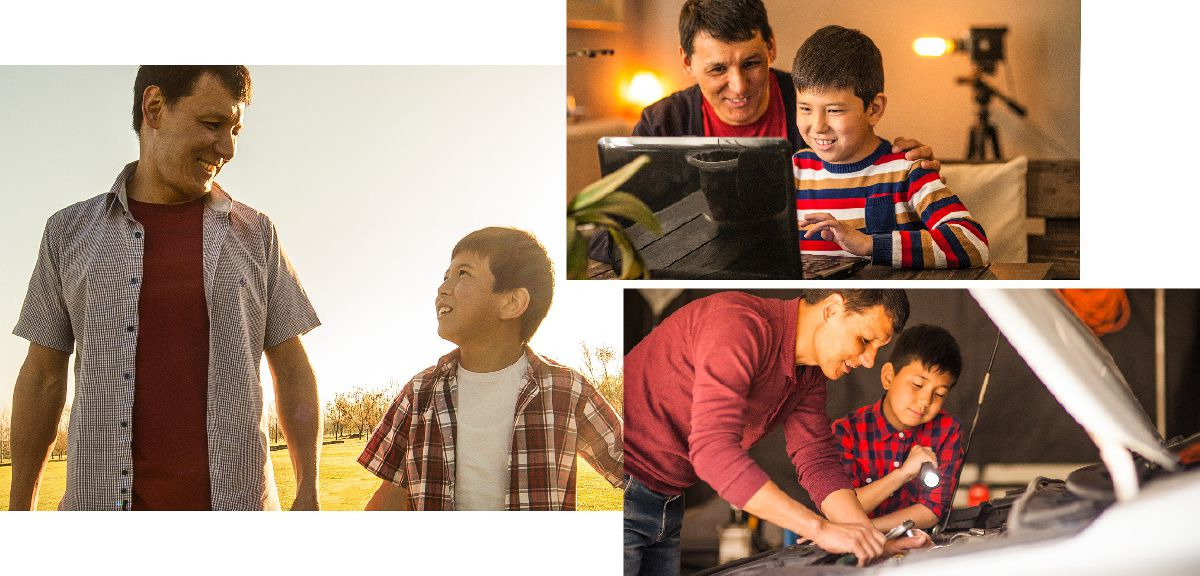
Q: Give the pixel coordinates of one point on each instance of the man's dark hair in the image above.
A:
(894, 302)
(517, 260)
(725, 20)
(933, 346)
(834, 58)
(179, 81)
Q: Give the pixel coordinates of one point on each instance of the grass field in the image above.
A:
(344, 484)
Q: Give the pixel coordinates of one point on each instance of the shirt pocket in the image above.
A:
(880, 213)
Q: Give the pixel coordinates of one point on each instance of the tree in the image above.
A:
(337, 415)
(273, 423)
(5, 432)
(600, 365)
(366, 408)
(59, 450)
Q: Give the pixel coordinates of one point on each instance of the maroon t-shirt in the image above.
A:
(170, 438)
(708, 383)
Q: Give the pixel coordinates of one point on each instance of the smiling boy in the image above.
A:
(907, 423)
(854, 196)
(492, 426)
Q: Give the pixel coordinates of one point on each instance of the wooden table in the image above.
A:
(693, 247)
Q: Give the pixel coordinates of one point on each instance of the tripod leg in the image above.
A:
(995, 141)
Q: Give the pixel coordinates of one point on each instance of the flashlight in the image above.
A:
(929, 475)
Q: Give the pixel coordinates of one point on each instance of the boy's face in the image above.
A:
(914, 394)
(467, 307)
(733, 77)
(848, 340)
(837, 127)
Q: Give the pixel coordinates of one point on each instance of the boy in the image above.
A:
(450, 440)
(907, 423)
(854, 196)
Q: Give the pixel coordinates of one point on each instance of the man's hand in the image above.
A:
(919, 539)
(861, 540)
(299, 410)
(914, 150)
(916, 456)
(831, 229)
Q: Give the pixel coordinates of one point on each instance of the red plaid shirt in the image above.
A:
(558, 415)
(871, 448)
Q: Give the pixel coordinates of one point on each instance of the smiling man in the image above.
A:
(728, 47)
(719, 374)
(492, 425)
(169, 292)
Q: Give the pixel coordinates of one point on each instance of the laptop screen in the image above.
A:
(726, 205)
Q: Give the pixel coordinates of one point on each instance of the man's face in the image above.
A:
(914, 394)
(732, 76)
(466, 304)
(848, 340)
(836, 125)
(196, 136)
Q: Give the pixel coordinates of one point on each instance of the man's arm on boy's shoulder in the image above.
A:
(951, 235)
(914, 150)
(601, 437)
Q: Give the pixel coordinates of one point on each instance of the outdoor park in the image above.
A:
(350, 418)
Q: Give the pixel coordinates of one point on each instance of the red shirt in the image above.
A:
(170, 399)
(708, 383)
(872, 448)
(772, 124)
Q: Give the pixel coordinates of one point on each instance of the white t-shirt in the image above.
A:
(486, 412)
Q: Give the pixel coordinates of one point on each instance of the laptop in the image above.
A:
(727, 207)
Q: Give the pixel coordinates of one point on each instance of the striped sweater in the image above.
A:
(913, 219)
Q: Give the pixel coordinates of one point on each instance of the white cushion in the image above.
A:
(995, 195)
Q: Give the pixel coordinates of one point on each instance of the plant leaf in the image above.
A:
(629, 206)
(597, 190)
(576, 252)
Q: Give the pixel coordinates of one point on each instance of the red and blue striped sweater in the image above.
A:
(913, 218)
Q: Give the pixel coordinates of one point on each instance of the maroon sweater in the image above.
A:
(712, 380)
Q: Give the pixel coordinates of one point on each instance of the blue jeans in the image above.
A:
(652, 523)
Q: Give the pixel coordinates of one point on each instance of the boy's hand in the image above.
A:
(915, 150)
(916, 456)
(832, 230)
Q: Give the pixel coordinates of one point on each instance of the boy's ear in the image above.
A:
(516, 302)
(886, 374)
(875, 108)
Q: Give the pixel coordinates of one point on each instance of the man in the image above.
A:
(728, 47)
(719, 374)
(493, 425)
(169, 291)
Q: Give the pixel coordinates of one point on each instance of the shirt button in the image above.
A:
(137, 234)
(124, 472)
(901, 434)
(868, 480)
(133, 280)
(124, 504)
(895, 464)
(124, 491)
(128, 376)
(129, 328)
(124, 424)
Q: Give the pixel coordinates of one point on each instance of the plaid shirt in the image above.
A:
(84, 296)
(872, 448)
(558, 414)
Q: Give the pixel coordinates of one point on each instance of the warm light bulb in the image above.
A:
(644, 89)
(932, 46)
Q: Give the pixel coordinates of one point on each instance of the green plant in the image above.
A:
(595, 208)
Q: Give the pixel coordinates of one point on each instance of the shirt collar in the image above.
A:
(217, 199)
(447, 365)
(790, 309)
(881, 423)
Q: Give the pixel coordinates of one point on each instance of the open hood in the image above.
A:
(1081, 374)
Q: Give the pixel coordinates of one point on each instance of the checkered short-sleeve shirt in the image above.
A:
(83, 297)
(871, 448)
(558, 415)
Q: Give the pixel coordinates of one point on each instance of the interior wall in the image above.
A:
(924, 102)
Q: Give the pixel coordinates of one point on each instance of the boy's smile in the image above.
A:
(914, 394)
(835, 124)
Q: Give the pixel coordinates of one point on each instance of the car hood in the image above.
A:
(1081, 374)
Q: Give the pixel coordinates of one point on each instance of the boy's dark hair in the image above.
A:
(894, 302)
(933, 346)
(725, 20)
(179, 81)
(834, 58)
(517, 260)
